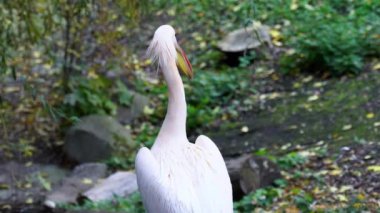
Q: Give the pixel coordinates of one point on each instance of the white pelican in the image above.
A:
(176, 175)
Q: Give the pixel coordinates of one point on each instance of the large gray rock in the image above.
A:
(95, 137)
(245, 39)
(120, 184)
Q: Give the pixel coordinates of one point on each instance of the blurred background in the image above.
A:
(287, 89)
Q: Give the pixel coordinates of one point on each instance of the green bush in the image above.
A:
(87, 96)
(333, 37)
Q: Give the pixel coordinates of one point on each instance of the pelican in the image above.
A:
(176, 176)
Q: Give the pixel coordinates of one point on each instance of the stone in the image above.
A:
(245, 39)
(80, 180)
(95, 137)
(248, 173)
(120, 184)
(258, 172)
(33, 177)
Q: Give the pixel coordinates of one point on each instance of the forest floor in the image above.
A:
(324, 133)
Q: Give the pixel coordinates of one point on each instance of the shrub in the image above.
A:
(333, 38)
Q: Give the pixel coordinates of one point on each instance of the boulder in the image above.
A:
(95, 137)
(120, 184)
(80, 180)
(248, 173)
(258, 172)
(245, 39)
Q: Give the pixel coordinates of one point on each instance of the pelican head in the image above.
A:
(164, 49)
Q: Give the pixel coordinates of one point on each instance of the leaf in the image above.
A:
(347, 127)
(374, 168)
(244, 129)
(342, 198)
(335, 172)
(313, 98)
(376, 66)
(86, 181)
(44, 182)
(370, 115)
(29, 200)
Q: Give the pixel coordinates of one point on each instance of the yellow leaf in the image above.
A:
(360, 196)
(318, 84)
(294, 5)
(376, 66)
(276, 35)
(333, 189)
(92, 74)
(342, 198)
(345, 188)
(307, 79)
(335, 172)
(29, 201)
(374, 168)
(370, 115)
(313, 98)
(148, 111)
(86, 181)
(347, 127)
(244, 129)
(297, 85)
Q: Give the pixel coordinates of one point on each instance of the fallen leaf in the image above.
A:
(374, 168)
(313, 98)
(29, 200)
(276, 35)
(345, 188)
(347, 127)
(87, 181)
(148, 111)
(244, 129)
(370, 115)
(376, 66)
(342, 198)
(335, 172)
(307, 79)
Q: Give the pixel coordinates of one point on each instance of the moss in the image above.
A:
(338, 116)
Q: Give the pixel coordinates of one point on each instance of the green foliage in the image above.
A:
(119, 204)
(88, 96)
(330, 36)
(125, 97)
(262, 197)
(326, 41)
(302, 200)
(291, 160)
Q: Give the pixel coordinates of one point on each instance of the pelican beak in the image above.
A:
(183, 62)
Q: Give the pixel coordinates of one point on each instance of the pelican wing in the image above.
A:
(156, 193)
(215, 189)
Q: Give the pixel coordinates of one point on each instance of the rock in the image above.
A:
(245, 39)
(248, 173)
(81, 179)
(127, 115)
(94, 138)
(119, 184)
(258, 172)
(19, 182)
(234, 166)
